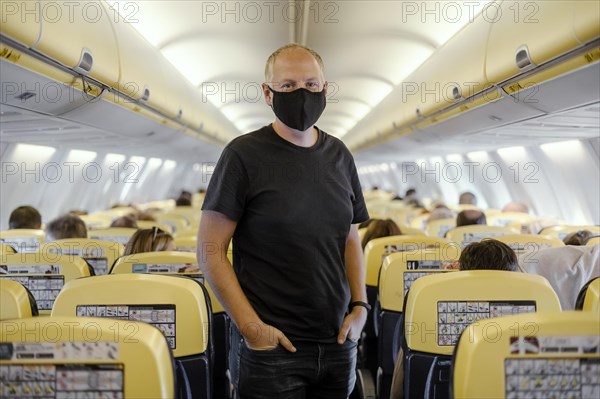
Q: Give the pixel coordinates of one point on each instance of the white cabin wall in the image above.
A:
(558, 180)
(56, 181)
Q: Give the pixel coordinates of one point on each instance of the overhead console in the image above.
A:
(515, 61)
(83, 62)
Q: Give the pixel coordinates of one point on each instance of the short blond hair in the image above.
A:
(290, 46)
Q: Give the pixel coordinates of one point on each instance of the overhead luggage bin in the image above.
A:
(80, 37)
(585, 19)
(454, 72)
(21, 22)
(152, 86)
(527, 34)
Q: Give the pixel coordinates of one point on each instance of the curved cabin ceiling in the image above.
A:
(368, 48)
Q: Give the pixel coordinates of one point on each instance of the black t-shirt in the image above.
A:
(293, 207)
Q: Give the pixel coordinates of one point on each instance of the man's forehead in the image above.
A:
(296, 59)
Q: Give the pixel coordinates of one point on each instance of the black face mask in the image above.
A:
(298, 109)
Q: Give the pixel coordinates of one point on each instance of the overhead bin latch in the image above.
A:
(456, 93)
(145, 94)
(86, 61)
(523, 59)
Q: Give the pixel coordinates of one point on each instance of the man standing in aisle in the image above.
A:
(290, 197)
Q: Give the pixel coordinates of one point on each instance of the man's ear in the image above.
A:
(268, 95)
(325, 87)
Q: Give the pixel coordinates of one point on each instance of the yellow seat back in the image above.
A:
(593, 241)
(186, 244)
(439, 227)
(97, 221)
(524, 244)
(43, 274)
(190, 213)
(554, 354)
(176, 306)
(100, 254)
(439, 307)
(177, 222)
(6, 249)
(23, 240)
(68, 357)
(588, 299)
(378, 248)
(504, 218)
(420, 221)
(148, 224)
(411, 231)
(166, 262)
(401, 269)
(15, 302)
(561, 232)
(114, 234)
(464, 235)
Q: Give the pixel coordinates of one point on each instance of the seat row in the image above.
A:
(165, 289)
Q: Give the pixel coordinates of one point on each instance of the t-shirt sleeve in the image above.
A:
(358, 204)
(226, 192)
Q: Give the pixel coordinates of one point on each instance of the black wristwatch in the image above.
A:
(359, 303)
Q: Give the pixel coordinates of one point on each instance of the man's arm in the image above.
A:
(355, 272)
(214, 235)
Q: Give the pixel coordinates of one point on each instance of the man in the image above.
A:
(290, 197)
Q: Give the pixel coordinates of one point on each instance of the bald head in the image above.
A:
(516, 207)
(467, 198)
(292, 47)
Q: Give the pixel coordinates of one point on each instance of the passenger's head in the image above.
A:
(25, 217)
(146, 216)
(125, 221)
(411, 192)
(380, 228)
(467, 198)
(441, 212)
(516, 207)
(488, 254)
(149, 240)
(580, 237)
(67, 226)
(469, 217)
(183, 201)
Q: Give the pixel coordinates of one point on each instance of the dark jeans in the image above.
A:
(314, 371)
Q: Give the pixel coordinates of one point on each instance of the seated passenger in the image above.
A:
(380, 228)
(67, 226)
(441, 212)
(516, 207)
(467, 198)
(146, 215)
(566, 268)
(487, 254)
(469, 217)
(149, 240)
(78, 212)
(125, 221)
(183, 201)
(25, 217)
(580, 237)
